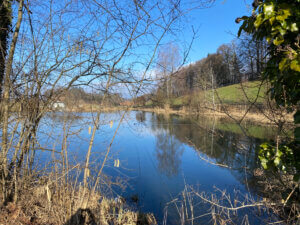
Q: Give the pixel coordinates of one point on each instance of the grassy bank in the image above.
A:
(244, 101)
(236, 94)
(243, 93)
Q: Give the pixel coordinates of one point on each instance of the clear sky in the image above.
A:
(216, 25)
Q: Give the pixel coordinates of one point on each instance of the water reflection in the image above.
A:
(159, 154)
(215, 140)
(168, 153)
(232, 149)
(140, 116)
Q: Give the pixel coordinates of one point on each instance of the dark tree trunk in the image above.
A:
(5, 25)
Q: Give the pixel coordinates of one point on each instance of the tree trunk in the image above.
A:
(5, 25)
(6, 94)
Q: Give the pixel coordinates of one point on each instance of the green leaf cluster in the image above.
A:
(278, 22)
(281, 158)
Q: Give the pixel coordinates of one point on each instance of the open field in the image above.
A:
(236, 94)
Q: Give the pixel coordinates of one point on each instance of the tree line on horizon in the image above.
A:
(241, 60)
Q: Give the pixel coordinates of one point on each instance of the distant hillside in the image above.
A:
(236, 94)
(230, 76)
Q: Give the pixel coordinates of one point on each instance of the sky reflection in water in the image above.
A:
(160, 154)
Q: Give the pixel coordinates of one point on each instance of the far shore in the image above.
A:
(234, 114)
(237, 115)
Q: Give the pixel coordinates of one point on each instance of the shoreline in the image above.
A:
(236, 115)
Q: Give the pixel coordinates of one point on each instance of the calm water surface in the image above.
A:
(160, 154)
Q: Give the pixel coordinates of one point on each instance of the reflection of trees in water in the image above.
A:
(168, 152)
(140, 116)
(160, 122)
(228, 148)
(60, 117)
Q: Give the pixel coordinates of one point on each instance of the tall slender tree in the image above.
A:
(5, 26)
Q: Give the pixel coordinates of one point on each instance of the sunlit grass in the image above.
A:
(244, 93)
(241, 93)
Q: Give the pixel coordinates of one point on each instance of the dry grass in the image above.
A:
(92, 108)
(222, 207)
(49, 204)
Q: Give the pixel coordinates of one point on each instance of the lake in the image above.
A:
(160, 155)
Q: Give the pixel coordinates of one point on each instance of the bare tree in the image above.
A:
(58, 45)
(168, 62)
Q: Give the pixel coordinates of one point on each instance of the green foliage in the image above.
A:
(149, 103)
(281, 158)
(278, 22)
(180, 101)
(269, 157)
(231, 94)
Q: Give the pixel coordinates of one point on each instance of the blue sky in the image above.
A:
(214, 26)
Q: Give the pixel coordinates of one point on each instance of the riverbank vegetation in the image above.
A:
(49, 51)
(228, 82)
(267, 50)
(277, 23)
(70, 56)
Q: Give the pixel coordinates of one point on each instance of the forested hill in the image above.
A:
(241, 61)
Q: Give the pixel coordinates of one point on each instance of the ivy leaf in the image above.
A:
(272, 19)
(269, 10)
(278, 40)
(295, 65)
(242, 27)
(281, 30)
(282, 64)
(279, 153)
(284, 14)
(259, 20)
(264, 163)
(294, 27)
(277, 161)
